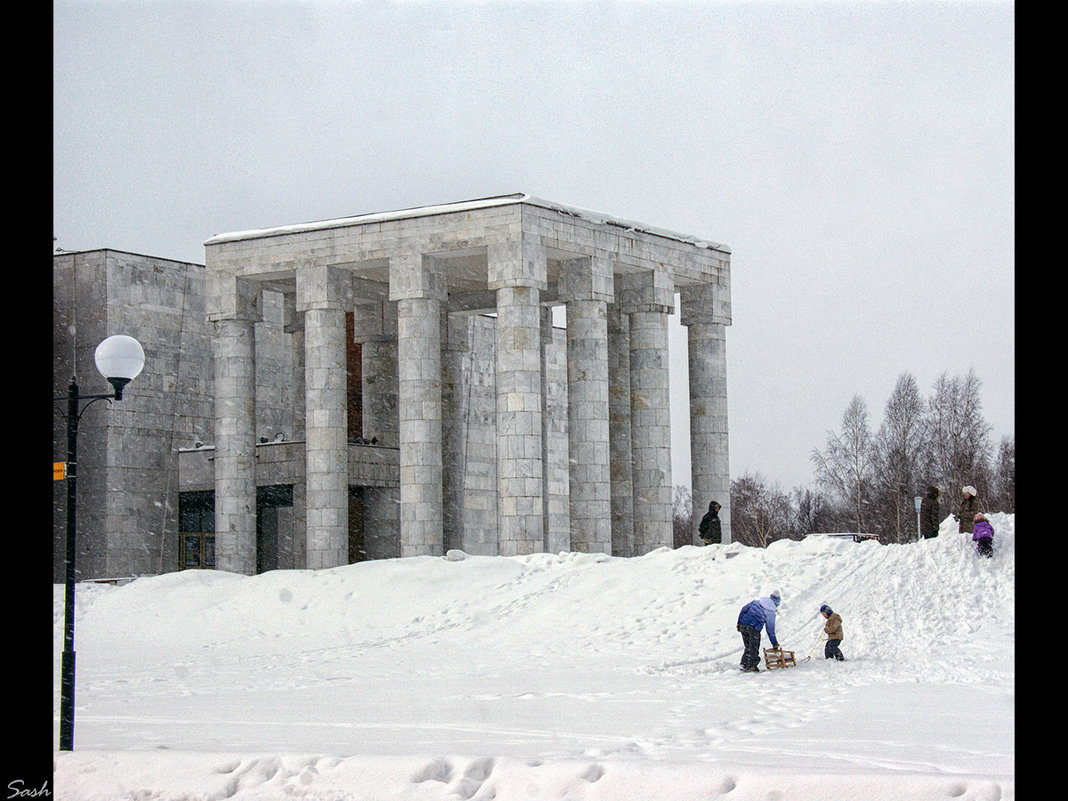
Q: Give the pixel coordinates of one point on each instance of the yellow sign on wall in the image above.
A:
(59, 471)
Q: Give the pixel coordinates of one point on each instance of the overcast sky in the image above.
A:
(856, 157)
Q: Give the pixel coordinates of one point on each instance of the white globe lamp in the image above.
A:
(119, 359)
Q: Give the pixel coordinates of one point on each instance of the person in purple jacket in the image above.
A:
(983, 534)
(756, 615)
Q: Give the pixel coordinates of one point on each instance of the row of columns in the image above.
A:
(619, 428)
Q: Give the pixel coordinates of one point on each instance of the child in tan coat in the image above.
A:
(833, 629)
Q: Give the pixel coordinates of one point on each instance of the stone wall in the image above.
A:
(127, 450)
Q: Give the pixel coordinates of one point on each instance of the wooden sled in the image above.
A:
(778, 658)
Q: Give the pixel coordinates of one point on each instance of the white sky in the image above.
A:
(856, 157)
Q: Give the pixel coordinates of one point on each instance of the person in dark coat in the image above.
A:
(969, 508)
(710, 529)
(930, 514)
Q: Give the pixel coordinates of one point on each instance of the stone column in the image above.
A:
(453, 430)
(648, 298)
(555, 462)
(517, 273)
(709, 445)
(234, 346)
(619, 431)
(417, 283)
(469, 434)
(586, 288)
(324, 294)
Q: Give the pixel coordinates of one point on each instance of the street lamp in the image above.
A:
(119, 359)
(918, 500)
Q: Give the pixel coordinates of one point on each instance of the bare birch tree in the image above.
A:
(812, 513)
(898, 463)
(759, 514)
(1003, 493)
(845, 468)
(959, 436)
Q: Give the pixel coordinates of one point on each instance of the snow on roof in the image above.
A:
(466, 205)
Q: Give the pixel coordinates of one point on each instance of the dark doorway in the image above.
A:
(196, 530)
(268, 501)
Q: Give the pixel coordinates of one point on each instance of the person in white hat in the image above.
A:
(969, 508)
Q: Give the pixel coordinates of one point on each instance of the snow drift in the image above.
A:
(551, 676)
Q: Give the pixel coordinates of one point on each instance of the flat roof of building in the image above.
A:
(467, 205)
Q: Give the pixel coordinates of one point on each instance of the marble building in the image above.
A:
(413, 281)
(488, 375)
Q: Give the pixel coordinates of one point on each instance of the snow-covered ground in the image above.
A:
(551, 676)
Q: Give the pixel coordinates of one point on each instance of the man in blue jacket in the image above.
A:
(754, 616)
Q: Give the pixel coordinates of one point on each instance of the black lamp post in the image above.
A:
(119, 359)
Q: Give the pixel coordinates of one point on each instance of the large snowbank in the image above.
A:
(551, 676)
